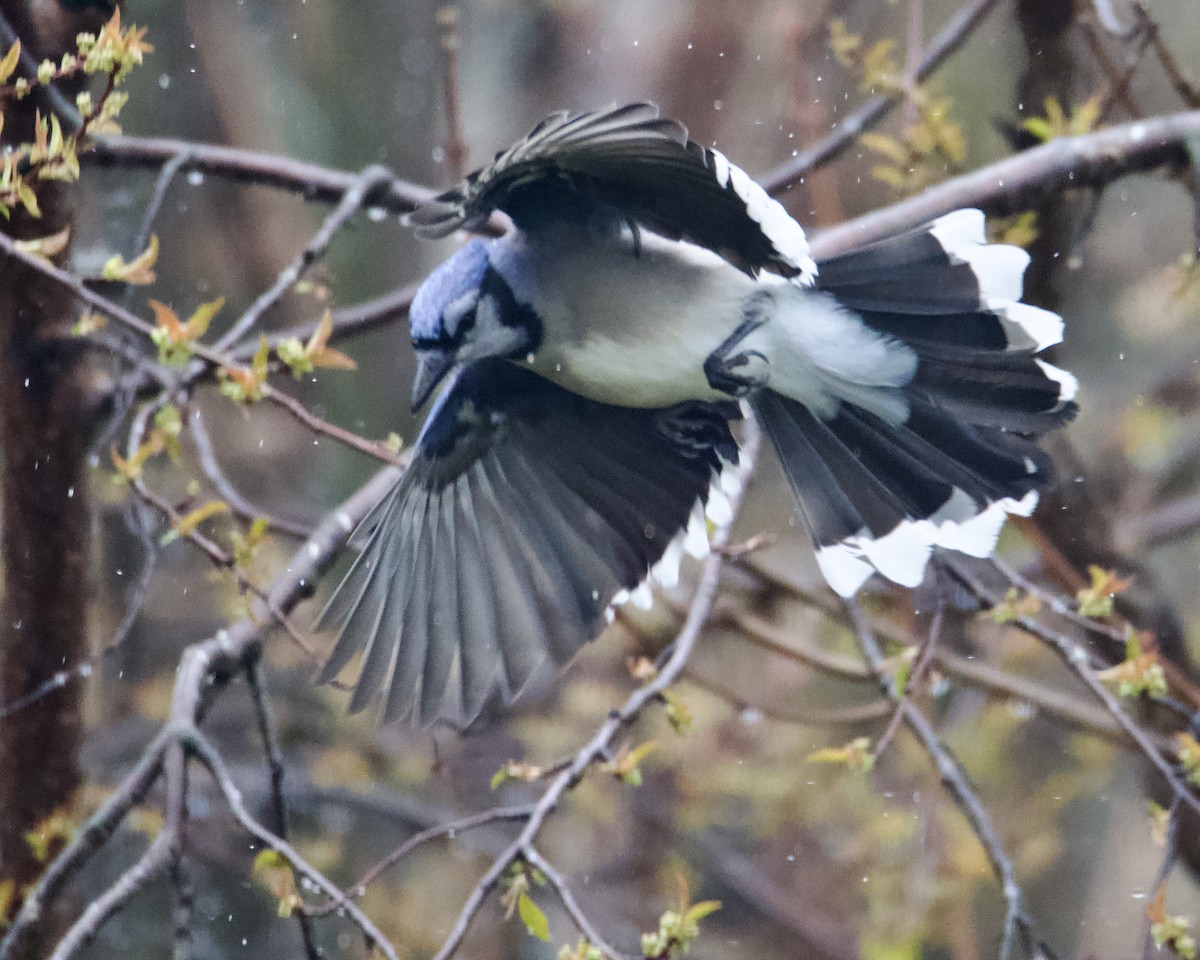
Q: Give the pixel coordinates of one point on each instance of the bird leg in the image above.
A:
(742, 372)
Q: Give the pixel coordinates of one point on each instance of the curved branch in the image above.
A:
(1029, 178)
(312, 181)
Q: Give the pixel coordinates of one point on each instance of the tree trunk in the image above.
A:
(44, 435)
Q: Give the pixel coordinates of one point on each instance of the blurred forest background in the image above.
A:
(837, 859)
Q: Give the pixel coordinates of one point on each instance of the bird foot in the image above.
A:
(738, 374)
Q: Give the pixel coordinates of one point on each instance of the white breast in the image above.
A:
(623, 326)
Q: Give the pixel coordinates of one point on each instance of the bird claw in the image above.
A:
(724, 373)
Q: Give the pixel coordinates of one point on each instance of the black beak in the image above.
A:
(432, 367)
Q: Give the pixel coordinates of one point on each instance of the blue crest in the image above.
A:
(459, 275)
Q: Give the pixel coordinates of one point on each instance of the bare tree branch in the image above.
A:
(206, 455)
(309, 180)
(208, 755)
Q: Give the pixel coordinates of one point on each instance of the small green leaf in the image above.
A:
(9, 62)
(274, 872)
(701, 910)
(138, 271)
(534, 919)
(678, 714)
(291, 352)
(857, 755)
(28, 199)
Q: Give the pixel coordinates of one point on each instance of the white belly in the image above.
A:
(632, 373)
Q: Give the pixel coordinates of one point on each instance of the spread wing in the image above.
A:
(525, 511)
(629, 161)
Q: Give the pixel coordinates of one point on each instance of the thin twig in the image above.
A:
(350, 203)
(204, 669)
(222, 559)
(217, 554)
(216, 358)
(975, 673)
(48, 93)
(145, 870)
(1060, 605)
(1170, 855)
(915, 675)
(372, 314)
(175, 825)
(956, 32)
(570, 904)
(800, 715)
(1171, 521)
(206, 456)
(126, 389)
(298, 410)
(1075, 657)
(158, 196)
(1179, 683)
(275, 773)
(1016, 921)
(87, 841)
(1188, 90)
(110, 308)
(449, 829)
(310, 180)
(1119, 80)
(208, 755)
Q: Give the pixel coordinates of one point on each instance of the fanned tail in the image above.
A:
(885, 474)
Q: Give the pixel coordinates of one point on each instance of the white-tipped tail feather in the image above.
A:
(1027, 327)
(1068, 382)
(902, 555)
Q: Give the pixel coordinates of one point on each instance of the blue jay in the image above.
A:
(596, 354)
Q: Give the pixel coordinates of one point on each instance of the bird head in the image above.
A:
(463, 312)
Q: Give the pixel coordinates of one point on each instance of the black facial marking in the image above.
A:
(510, 311)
